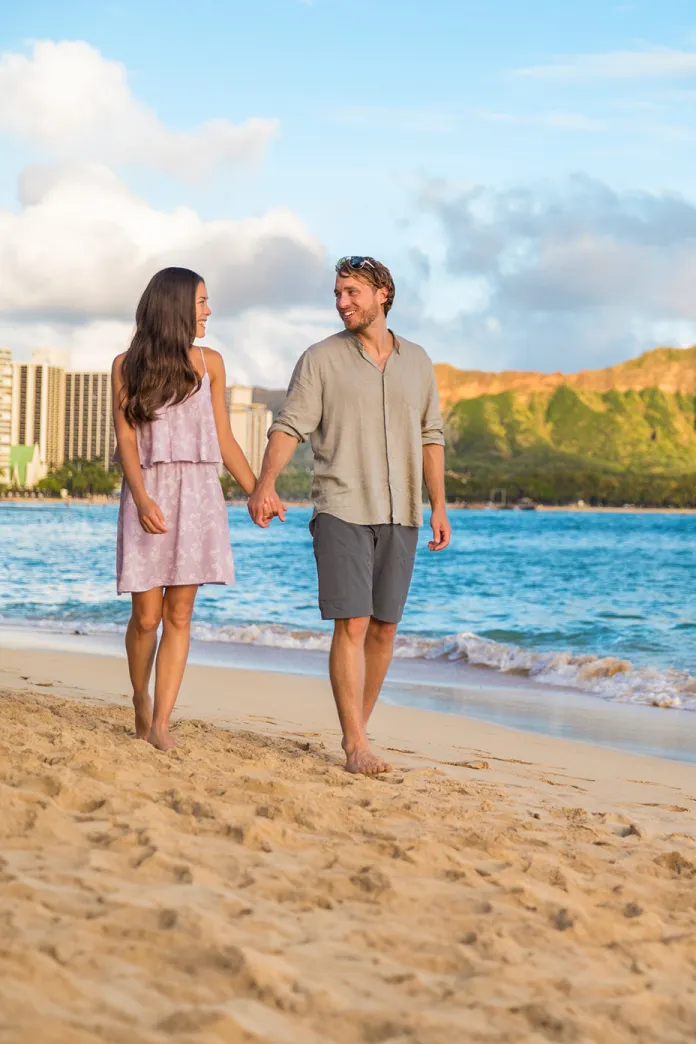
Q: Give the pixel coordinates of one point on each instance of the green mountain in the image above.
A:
(557, 439)
(648, 430)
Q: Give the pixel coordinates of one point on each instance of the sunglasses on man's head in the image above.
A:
(354, 261)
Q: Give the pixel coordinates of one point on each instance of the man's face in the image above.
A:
(357, 302)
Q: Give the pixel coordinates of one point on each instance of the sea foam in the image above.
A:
(608, 677)
(605, 676)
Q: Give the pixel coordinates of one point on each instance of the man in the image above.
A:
(368, 402)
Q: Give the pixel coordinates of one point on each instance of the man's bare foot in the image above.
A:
(159, 737)
(362, 761)
(143, 715)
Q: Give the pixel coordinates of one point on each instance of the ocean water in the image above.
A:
(601, 603)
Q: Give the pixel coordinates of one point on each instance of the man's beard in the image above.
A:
(365, 321)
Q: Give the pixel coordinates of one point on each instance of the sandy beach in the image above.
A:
(496, 886)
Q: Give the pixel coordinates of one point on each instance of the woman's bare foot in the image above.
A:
(362, 761)
(143, 715)
(160, 738)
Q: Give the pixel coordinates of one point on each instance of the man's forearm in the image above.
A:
(434, 474)
(279, 451)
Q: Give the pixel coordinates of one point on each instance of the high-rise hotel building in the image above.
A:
(38, 410)
(89, 427)
(68, 415)
(5, 413)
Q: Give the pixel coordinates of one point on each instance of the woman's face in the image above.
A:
(202, 310)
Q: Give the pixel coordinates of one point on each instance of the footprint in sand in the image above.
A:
(667, 808)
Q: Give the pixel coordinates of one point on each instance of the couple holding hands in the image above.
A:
(368, 402)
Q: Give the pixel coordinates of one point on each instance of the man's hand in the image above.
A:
(442, 530)
(264, 504)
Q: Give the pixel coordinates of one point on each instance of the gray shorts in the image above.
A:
(363, 570)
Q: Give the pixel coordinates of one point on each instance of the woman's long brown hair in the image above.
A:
(156, 368)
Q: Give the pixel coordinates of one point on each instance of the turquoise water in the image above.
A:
(605, 603)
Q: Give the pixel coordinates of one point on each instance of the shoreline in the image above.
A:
(456, 693)
(451, 506)
(284, 702)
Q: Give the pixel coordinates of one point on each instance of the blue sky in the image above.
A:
(518, 166)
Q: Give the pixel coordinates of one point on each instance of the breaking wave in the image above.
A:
(605, 676)
(608, 677)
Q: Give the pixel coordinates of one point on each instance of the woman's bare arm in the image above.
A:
(151, 518)
(232, 455)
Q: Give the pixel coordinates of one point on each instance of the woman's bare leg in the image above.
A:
(177, 609)
(141, 643)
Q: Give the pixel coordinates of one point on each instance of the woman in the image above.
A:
(172, 432)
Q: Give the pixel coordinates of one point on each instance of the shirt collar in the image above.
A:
(359, 345)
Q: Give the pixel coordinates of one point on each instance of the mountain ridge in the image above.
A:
(671, 370)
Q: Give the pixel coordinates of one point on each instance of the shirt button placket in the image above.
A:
(386, 441)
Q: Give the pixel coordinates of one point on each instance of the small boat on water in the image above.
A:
(525, 504)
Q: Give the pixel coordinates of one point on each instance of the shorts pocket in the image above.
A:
(333, 576)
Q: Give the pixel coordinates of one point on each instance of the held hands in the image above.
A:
(151, 517)
(264, 504)
(441, 528)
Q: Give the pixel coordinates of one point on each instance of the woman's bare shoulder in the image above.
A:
(117, 364)
(213, 362)
(211, 355)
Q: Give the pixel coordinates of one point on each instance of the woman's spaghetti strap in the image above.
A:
(205, 368)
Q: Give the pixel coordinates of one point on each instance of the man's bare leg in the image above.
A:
(379, 649)
(347, 673)
(172, 654)
(141, 643)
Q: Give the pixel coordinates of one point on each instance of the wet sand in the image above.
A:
(496, 886)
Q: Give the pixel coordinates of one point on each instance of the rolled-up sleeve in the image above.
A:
(301, 411)
(432, 428)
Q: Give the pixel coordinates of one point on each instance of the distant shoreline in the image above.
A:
(575, 508)
(585, 509)
(619, 510)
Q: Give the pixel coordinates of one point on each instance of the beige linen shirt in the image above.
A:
(367, 428)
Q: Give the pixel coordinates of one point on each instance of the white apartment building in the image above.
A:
(89, 426)
(5, 413)
(38, 410)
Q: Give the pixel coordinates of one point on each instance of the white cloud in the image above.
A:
(616, 65)
(83, 246)
(578, 273)
(77, 252)
(259, 345)
(91, 345)
(70, 101)
(77, 255)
